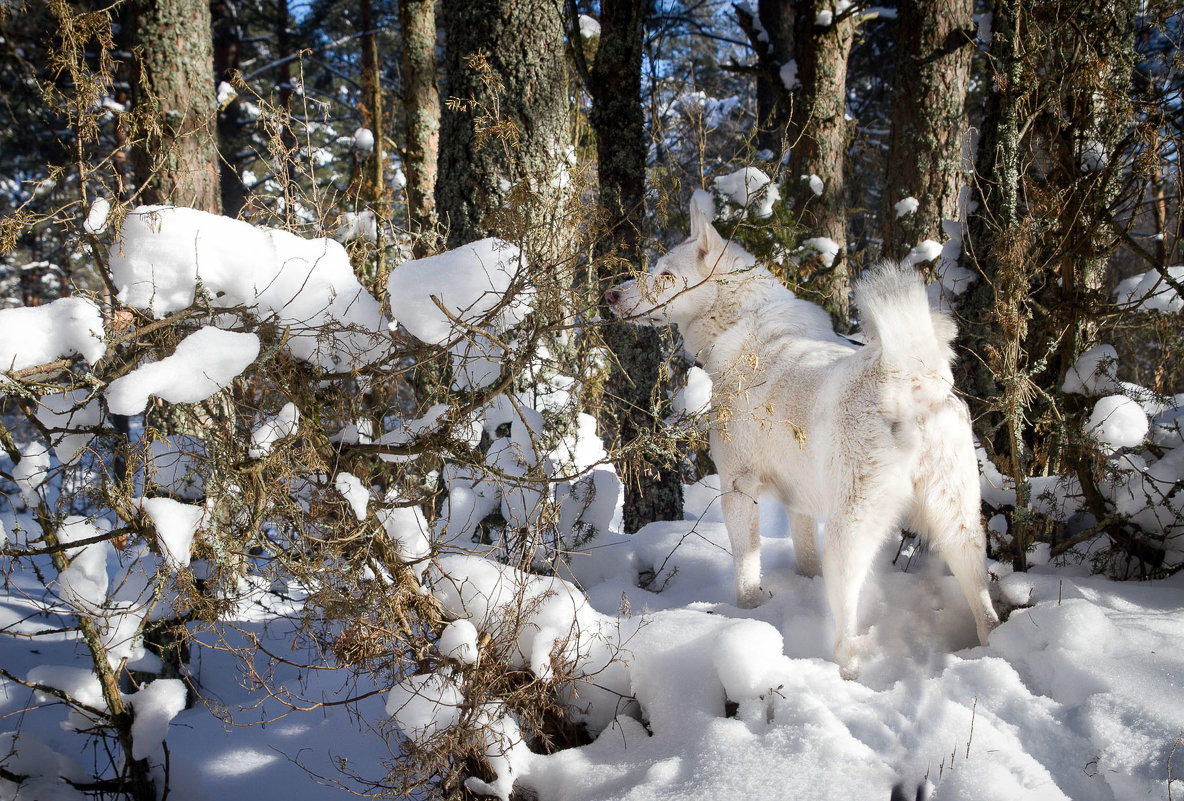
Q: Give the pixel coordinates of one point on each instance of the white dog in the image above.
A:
(865, 439)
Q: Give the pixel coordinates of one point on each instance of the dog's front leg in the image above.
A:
(742, 518)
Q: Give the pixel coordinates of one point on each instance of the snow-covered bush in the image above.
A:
(250, 425)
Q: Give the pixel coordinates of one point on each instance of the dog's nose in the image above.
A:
(611, 297)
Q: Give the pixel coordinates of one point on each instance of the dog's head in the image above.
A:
(685, 281)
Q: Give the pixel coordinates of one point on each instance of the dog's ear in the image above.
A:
(702, 231)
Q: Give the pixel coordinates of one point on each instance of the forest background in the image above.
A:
(1023, 155)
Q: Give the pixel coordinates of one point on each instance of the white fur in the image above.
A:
(865, 439)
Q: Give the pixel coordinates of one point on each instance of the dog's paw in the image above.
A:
(847, 655)
(753, 597)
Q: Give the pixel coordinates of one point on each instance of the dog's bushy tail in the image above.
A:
(914, 340)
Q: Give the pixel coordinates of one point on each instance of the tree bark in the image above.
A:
(934, 46)
(635, 393)
(818, 136)
(506, 119)
(421, 114)
(227, 41)
(176, 159)
(1049, 158)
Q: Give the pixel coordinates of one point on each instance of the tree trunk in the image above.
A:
(505, 124)
(176, 160)
(1048, 163)
(770, 32)
(370, 179)
(818, 136)
(421, 114)
(227, 40)
(934, 45)
(635, 392)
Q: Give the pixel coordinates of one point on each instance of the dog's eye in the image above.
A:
(665, 277)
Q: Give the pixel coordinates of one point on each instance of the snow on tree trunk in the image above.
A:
(934, 45)
(819, 134)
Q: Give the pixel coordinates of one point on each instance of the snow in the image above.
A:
(682, 693)
(1148, 291)
(751, 189)
(816, 184)
(1074, 698)
(472, 284)
(176, 524)
(924, 251)
(273, 429)
(83, 584)
(821, 246)
(409, 532)
(459, 641)
(307, 286)
(204, 362)
(35, 335)
(906, 206)
(425, 705)
(506, 754)
(589, 27)
(476, 363)
(66, 416)
(1095, 372)
(1094, 156)
(31, 471)
(96, 217)
(364, 141)
(226, 94)
(356, 494)
(359, 225)
(695, 397)
(155, 707)
(789, 75)
(1117, 422)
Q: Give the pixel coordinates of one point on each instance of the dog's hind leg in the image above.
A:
(805, 542)
(947, 514)
(965, 555)
(862, 520)
(742, 518)
(947, 520)
(850, 546)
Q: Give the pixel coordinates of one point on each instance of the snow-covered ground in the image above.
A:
(1078, 695)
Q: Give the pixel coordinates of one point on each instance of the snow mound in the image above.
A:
(164, 255)
(34, 335)
(751, 189)
(1118, 422)
(205, 362)
(471, 283)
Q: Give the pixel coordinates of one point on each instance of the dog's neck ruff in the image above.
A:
(754, 311)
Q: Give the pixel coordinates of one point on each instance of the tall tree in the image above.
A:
(1049, 162)
(934, 45)
(819, 136)
(634, 395)
(227, 51)
(421, 115)
(507, 118)
(770, 31)
(176, 157)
